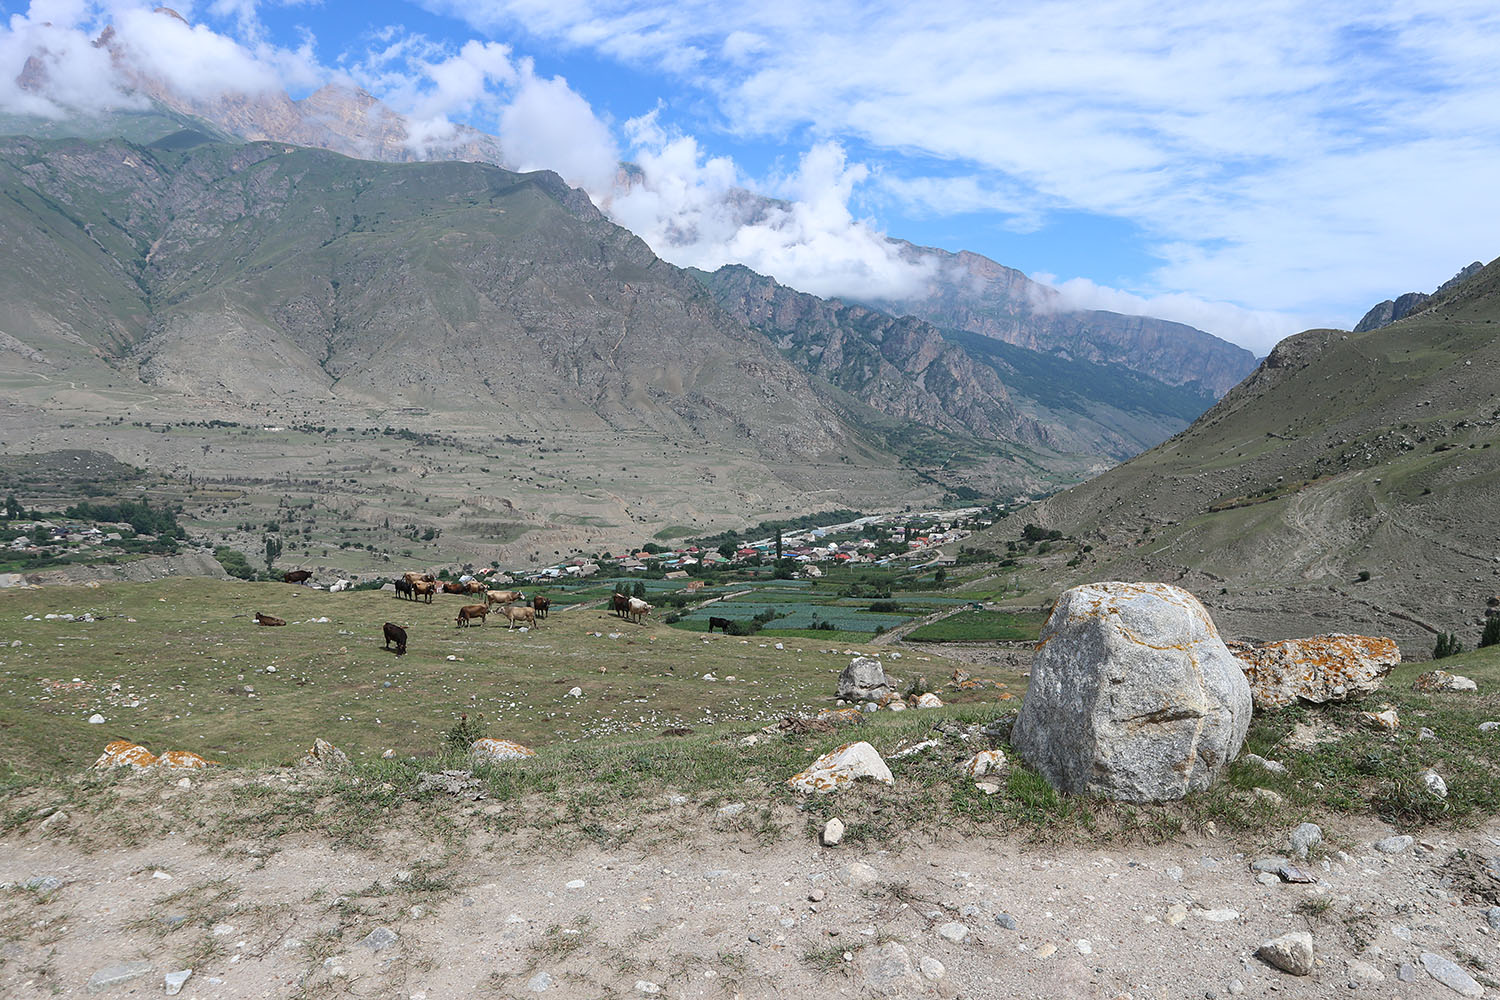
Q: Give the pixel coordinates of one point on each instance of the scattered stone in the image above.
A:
(1393, 845)
(461, 784)
(953, 931)
(325, 755)
(1319, 669)
(987, 787)
(497, 751)
(860, 875)
(1492, 917)
(1084, 946)
(932, 969)
(1256, 760)
(43, 884)
(928, 700)
(1047, 950)
(575, 692)
(123, 753)
(113, 975)
(1222, 916)
(1133, 695)
(731, 809)
(1450, 975)
(833, 833)
(982, 763)
(1291, 873)
(1401, 932)
(1387, 720)
(1304, 838)
(1426, 734)
(1362, 972)
(1268, 878)
(175, 980)
(1236, 987)
(181, 760)
(646, 986)
(1407, 973)
(1488, 727)
(915, 748)
(1267, 795)
(1005, 920)
(864, 680)
(1176, 914)
(1291, 953)
(379, 939)
(1435, 681)
(96, 719)
(56, 819)
(1271, 864)
(841, 767)
(1434, 783)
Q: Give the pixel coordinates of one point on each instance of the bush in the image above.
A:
(463, 734)
(1364, 576)
(234, 563)
(885, 607)
(1447, 645)
(1491, 636)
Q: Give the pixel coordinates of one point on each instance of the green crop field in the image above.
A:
(981, 626)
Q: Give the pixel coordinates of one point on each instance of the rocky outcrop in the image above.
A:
(1318, 669)
(1133, 695)
(493, 751)
(123, 753)
(1434, 681)
(864, 679)
(1388, 312)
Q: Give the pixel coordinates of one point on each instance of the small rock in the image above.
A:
(576, 883)
(1176, 913)
(113, 975)
(540, 982)
(1291, 873)
(1291, 953)
(1046, 950)
(833, 832)
(929, 700)
(1084, 946)
(1267, 878)
(1488, 727)
(1267, 795)
(731, 809)
(987, 787)
(953, 931)
(1407, 973)
(1363, 972)
(175, 980)
(1005, 920)
(888, 970)
(1450, 975)
(576, 692)
(1393, 845)
(1426, 734)
(379, 939)
(1219, 916)
(931, 968)
(1440, 680)
(96, 719)
(1492, 917)
(1387, 720)
(841, 767)
(646, 986)
(1434, 783)
(1401, 932)
(1236, 987)
(1304, 838)
(1255, 759)
(1273, 864)
(860, 875)
(982, 763)
(43, 884)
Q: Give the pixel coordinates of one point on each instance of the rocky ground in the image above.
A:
(701, 907)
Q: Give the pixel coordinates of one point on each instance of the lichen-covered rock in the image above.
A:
(982, 763)
(841, 767)
(1133, 695)
(864, 679)
(497, 751)
(928, 700)
(325, 755)
(1387, 720)
(840, 716)
(1318, 669)
(123, 753)
(182, 760)
(1435, 681)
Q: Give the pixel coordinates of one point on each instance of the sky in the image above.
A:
(1250, 169)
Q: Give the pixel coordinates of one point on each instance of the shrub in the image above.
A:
(234, 563)
(462, 735)
(1491, 636)
(1364, 576)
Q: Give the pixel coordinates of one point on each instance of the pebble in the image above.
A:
(1434, 783)
(1450, 975)
(43, 883)
(1046, 950)
(646, 986)
(953, 931)
(1236, 987)
(113, 975)
(1272, 864)
(1174, 872)
(1401, 931)
(732, 809)
(1291, 953)
(833, 832)
(1266, 878)
(1407, 973)
(1219, 916)
(1266, 795)
(379, 939)
(1488, 727)
(1084, 946)
(175, 980)
(1176, 913)
(96, 719)
(931, 968)
(576, 883)
(1363, 972)
(1275, 767)
(1426, 734)
(576, 692)
(861, 875)
(1304, 838)
(1009, 922)
(1393, 845)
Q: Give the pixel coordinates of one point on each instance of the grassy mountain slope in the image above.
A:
(1342, 454)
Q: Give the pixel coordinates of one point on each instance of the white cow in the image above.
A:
(636, 609)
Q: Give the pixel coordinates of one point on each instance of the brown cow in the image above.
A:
(515, 614)
(261, 619)
(395, 633)
(474, 587)
(414, 577)
(541, 605)
(469, 612)
(619, 604)
(297, 576)
(450, 587)
(504, 596)
(424, 589)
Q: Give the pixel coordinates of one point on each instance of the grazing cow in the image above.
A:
(541, 605)
(395, 633)
(297, 576)
(469, 612)
(474, 587)
(404, 586)
(261, 619)
(619, 604)
(453, 588)
(504, 596)
(637, 610)
(411, 577)
(515, 614)
(721, 623)
(423, 588)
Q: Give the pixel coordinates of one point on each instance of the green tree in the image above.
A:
(1491, 635)
(639, 590)
(728, 549)
(13, 508)
(273, 549)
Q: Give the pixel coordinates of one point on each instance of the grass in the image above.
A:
(981, 626)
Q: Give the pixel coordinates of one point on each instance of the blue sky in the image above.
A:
(1250, 169)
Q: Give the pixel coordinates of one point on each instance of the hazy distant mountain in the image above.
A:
(1391, 310)
(971, 292)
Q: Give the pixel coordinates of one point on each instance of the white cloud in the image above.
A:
(547, 125)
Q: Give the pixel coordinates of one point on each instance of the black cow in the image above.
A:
(721, 623)
(395, 633)
(297, 576)
(404, 587)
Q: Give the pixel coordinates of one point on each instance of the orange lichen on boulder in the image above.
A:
(123, 753)
(182, 760)
(496, 751)
(1317, 669)
(840, 716)
(841, 767)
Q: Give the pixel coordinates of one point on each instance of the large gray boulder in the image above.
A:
(1133, 695)
(864, 679)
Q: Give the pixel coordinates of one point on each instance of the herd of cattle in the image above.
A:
(414, 586)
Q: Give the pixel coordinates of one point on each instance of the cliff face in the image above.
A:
(1391, 310)
(971, 292)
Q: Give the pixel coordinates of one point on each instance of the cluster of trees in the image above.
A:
(143, 518)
